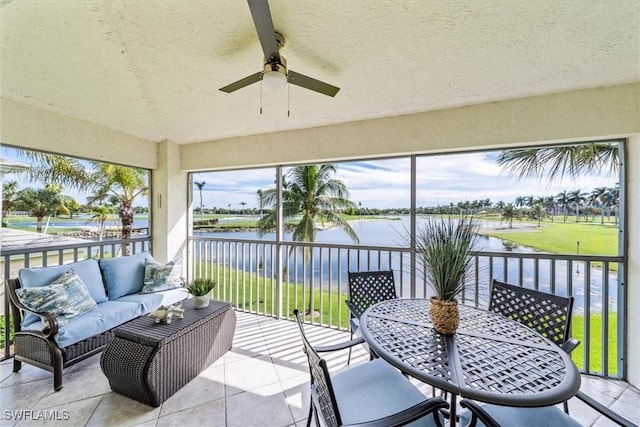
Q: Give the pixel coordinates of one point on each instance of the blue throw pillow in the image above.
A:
(158, 277)
(67, 297)
(88, 270)
(124, 275)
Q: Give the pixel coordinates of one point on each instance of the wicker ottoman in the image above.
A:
(149, 362)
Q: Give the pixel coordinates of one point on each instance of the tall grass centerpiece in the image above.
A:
(443, 249)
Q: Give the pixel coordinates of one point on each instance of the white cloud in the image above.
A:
(442, 179)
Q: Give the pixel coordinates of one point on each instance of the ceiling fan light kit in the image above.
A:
(275, 73)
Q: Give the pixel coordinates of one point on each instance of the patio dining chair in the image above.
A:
(372, 393)
(367, 288)
(549, 315)
(502, 416)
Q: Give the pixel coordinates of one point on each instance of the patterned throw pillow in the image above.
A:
(67, 297)
(158, 277)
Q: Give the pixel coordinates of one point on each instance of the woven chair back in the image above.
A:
(322, 395)
(370, 287)
(549, 315)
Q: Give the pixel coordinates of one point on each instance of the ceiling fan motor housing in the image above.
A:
(279, 66)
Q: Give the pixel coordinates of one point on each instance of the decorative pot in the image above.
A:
(200, 301)
(444, 315)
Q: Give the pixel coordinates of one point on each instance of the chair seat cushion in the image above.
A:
(355, 323)
(523, 417)
(362, 393)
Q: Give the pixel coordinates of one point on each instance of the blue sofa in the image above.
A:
(118, 291)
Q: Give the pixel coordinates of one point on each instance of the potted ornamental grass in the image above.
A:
(443, 249)
(200, 289)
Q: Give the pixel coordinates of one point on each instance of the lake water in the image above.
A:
(390, 233)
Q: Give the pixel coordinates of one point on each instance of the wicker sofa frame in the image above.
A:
(41, 350)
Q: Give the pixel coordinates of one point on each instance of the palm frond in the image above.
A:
(558, 162)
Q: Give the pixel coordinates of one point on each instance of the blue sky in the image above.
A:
(442, 179)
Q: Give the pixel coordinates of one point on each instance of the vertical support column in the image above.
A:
(190, 259)
(630, 229)
(414, 185)
(169, 204)
(279, 248)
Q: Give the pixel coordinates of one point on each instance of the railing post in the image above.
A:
(413, 226)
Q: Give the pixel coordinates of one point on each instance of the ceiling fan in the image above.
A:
(275, 66)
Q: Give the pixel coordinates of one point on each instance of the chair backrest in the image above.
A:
(370, 287)
(548, 314)
(322, 394)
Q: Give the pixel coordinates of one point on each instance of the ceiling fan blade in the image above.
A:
(264, 26)
(311, 83)
(253, 78)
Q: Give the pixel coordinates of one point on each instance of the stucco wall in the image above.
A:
(32, 128)
(586, 114)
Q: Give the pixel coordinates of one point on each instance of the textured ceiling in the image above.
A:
(153, 68)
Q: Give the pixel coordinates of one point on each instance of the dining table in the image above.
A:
(490, 358)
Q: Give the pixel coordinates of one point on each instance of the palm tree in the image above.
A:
(243, 204)
(69, 205)
(260, 200)
(101, 214)
(576, 197)
(553, 162)
(549, 204)
(121, 183)
(9, 191)
(537, 211)
(563, 199)
(200, 186)
(39, 202)
(597, 199)
(309, 196)
(612, 200)
(508, 213)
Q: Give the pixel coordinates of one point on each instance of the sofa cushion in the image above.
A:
(88, 270)
(67, 297)
(105, 316)
(159, 277)
(124, 275)
(149, 302)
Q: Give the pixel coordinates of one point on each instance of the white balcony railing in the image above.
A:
(314, 279)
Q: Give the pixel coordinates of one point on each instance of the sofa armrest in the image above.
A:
(52, 320)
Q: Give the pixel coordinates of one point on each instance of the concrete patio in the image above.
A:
(262, 381)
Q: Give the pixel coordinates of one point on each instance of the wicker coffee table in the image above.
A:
(149, 362)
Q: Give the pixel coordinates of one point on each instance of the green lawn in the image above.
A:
(254, 293)
(562, 238)
(595, 343)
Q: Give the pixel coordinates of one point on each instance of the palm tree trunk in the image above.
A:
(125, 211)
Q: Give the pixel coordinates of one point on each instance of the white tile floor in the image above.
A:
(262, 381)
